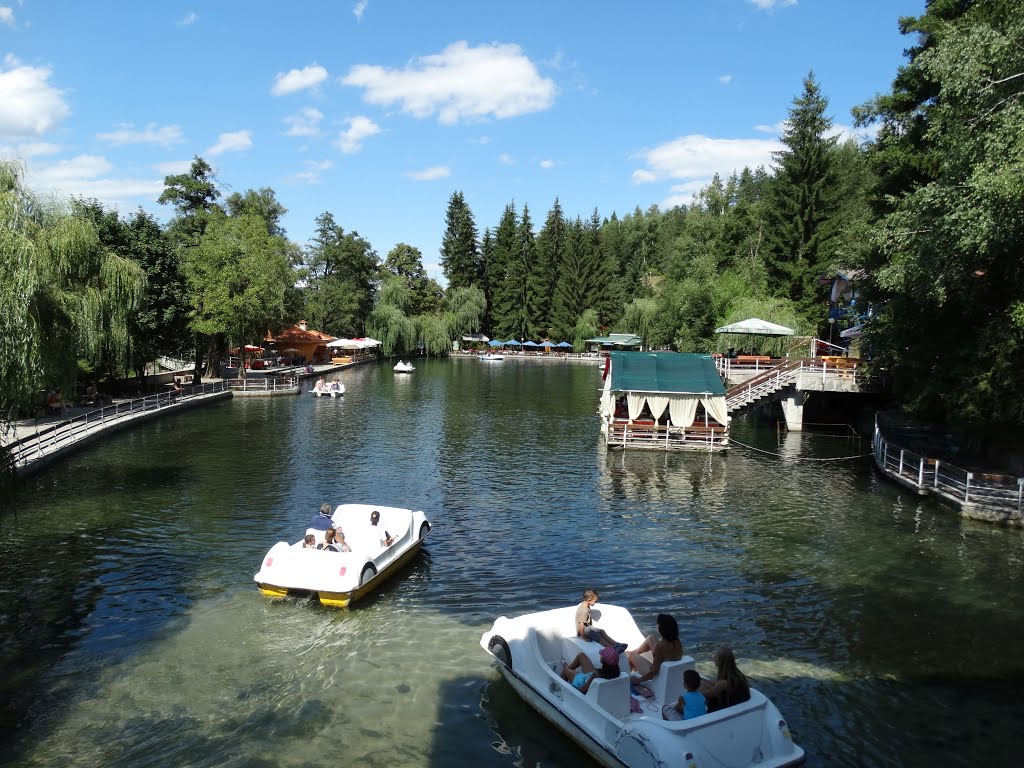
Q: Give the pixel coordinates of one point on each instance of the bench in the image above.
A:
(611, 695)
(752, 360)
(668, 683)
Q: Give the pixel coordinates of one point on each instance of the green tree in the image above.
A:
(509, 294)
(238, 276)
(460, 255)
(262, 203)
(574, 289)
(62, 296)
(551, 247)
(343, 270)
(804, 197)
(406, 262)
(948, 277)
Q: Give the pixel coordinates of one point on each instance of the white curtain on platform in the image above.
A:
(682, 410)
(635, 404)
(657, 404)
(715, 406)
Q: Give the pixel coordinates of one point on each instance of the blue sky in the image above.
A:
(378, 110)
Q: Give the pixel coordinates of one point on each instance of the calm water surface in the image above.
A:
(887, 631)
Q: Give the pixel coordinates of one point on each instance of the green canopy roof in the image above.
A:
(668, 372)
(617, 339)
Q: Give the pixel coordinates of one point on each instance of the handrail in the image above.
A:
(72, 429)
(782, 375)
(934, 476)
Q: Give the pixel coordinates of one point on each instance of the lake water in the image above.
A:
(887, 630)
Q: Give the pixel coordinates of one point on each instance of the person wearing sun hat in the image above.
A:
(581, 672)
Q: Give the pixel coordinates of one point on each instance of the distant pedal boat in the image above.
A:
(491, 357)
(403, 367)
(337, 579)
(328, 391)
(530, 650)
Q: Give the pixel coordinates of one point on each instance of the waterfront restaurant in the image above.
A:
(301, 343)
(663, 401)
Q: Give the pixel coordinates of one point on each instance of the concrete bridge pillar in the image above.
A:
(793, 411)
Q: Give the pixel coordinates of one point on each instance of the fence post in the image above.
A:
(901, 462)
(967, 487)
(920, 474)
(1020, 493)
(885, 454)
(936, 485)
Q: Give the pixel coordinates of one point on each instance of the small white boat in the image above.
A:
(403, 367)
(339, 578)
(491, 357)
(530, 650)
(334, 389)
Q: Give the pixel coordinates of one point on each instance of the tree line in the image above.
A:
(929, 210)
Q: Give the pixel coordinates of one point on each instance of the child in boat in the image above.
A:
(309, 542)
(329, 543)
(585, 626)
(692, 703)
(731, 687)
(581, 672)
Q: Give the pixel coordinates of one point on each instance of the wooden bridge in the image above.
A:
(787, 380)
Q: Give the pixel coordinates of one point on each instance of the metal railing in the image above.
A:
(927, 475)
(787, 373)
(625, 435)
(264, 384)
(46, 439)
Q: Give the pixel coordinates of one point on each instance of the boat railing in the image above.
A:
(930, 475)
(45, 439)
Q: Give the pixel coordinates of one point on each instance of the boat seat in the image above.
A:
(611, 695)
(573, 645)
(668, 683)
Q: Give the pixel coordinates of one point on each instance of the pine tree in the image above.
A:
(509, 280)
(804, 196)
(460, 254)
(573, 290)
(550, 253)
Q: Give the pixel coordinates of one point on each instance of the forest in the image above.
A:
(928, 212)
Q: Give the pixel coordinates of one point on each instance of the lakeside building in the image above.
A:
(663, 401)
(614, 341)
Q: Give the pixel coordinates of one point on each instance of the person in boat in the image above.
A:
(320, 386)
(585, 625)
(653, 651)
(309, 542)
(691, 704)
(330, 544)
(339, 542)
(731, 687)
(386, 539)
(335, 386)
(322, 520)
(581, 672)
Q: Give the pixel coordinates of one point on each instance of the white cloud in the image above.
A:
(545, 164)
(190, 19)
(31, 106)
(775, 129)
(305, 122)
(694, 159)
(350, 141)
(430, 174)
(725, 79)
(233, 141)
(30, 149)
(6, 15)
(769, 5)
(460, 83)
(312, 173)
(81, 177)
(298, 79)
(359, 9)
(173, 167)
(506, 159)
(152, 134)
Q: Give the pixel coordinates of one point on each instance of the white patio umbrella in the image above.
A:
(755, 327)
(344, 344)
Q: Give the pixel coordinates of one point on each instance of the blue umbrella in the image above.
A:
(512, 343)
(530, 344)
(563, 344)
(495, 343)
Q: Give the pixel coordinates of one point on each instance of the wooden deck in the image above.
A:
(660, 437)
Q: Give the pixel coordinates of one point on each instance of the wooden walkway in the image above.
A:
(33, 445)
(977, 495)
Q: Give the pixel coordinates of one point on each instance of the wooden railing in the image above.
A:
(926, 475)
(642, 435)
(46, 439)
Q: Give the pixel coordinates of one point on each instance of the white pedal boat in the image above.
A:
(491, 358)
(340, 578)
(403, 367)
(329, 390)
(529, 649)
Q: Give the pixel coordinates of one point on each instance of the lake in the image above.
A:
(886, 629)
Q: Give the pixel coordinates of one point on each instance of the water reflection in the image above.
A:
(883, 627)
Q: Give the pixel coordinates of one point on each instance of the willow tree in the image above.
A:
(62, 296)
